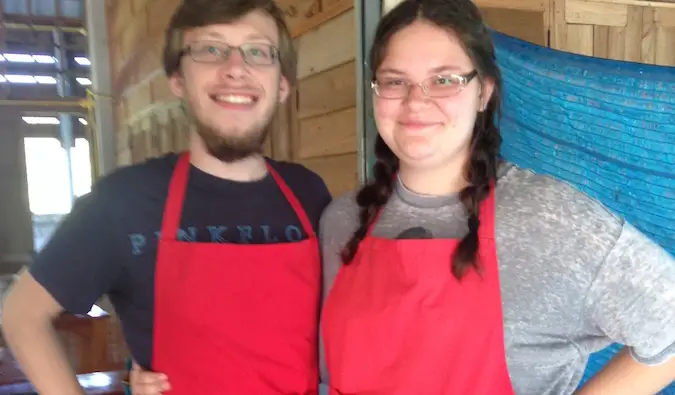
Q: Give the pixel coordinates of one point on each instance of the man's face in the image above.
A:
(230, 80)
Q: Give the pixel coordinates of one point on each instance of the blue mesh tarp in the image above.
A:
(607, 127)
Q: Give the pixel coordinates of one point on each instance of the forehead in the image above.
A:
(423, 48)
(255, 26)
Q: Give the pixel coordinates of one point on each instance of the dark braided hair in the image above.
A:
(463, 18)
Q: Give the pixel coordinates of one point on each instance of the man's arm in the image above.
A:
(27, 315)
(79, 264)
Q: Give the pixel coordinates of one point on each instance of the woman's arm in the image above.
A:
(338, 222)
(623, 375)
(632, 301)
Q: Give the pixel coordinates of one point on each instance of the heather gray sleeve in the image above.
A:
(338, 222)
(632, 298)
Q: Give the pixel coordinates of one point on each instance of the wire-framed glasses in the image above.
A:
(254, 54)
(435, 86)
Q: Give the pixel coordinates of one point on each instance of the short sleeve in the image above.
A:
(632, 299)
(81, 261)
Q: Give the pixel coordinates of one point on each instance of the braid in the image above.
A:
(481, 172)
(372, 196)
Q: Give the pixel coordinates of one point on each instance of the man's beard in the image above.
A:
(231, 149)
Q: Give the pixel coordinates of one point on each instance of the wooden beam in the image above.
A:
(41, 22)
(64, 105)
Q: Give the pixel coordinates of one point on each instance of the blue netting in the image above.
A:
(608, 127)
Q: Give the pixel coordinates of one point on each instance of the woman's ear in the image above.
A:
(487, 87)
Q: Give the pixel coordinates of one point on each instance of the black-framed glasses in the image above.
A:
(435, 86)
(254, 54)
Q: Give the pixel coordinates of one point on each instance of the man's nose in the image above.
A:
(234, 66)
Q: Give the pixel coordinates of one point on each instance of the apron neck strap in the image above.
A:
(174, 202)
(173, 207)
(293, 200)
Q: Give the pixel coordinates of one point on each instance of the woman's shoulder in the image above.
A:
(342, 207)
(339, 221)
(523, 191)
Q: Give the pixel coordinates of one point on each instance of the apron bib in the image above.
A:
(232, 318)
(397, 322)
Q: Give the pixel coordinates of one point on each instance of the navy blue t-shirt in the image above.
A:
(108, 243)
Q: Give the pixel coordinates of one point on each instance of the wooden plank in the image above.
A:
(648, 45)
(282, 138)
(665, 44)
(304, 15)
(617, 43)
(329, 91)
(331, 44)
(580, 39)
(523, 5)
(594, 13)
(559, 26)
(123, 157)
(330, 134)
(633, 40)
(664, 17)
(642, 3)
(600, 41)
(122, 141)
(526, 25)
(338, 172)
(121, 17)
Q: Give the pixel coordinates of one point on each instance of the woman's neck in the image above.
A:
(437, 181)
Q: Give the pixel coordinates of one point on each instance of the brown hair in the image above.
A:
(199, 13)
(463, 18)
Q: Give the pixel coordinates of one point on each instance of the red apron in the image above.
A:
(231, 318)
(397, 322)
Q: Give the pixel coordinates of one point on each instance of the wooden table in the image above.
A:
(14, 382)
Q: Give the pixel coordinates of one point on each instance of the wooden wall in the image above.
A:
(147, 116)
(635, 31)
(630, 30)
(322, 131)
(318, 126)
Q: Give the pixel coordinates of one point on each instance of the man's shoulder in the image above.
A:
(303, 181)
(147, 178)
(297, 173)
(307, 185)
(157, 168)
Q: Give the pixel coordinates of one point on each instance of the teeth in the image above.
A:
(235, 99)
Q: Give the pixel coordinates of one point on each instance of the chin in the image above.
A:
(416, 154)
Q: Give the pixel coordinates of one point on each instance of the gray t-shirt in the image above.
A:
(574, 277)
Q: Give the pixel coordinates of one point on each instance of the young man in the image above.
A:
(210, 258)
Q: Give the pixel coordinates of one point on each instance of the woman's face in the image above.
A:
(424, 131)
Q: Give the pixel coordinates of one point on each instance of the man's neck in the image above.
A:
(251, 168)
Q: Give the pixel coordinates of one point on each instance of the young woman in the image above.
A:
(453, 274)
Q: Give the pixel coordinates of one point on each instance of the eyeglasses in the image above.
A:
(254, 54)
(436, 86)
